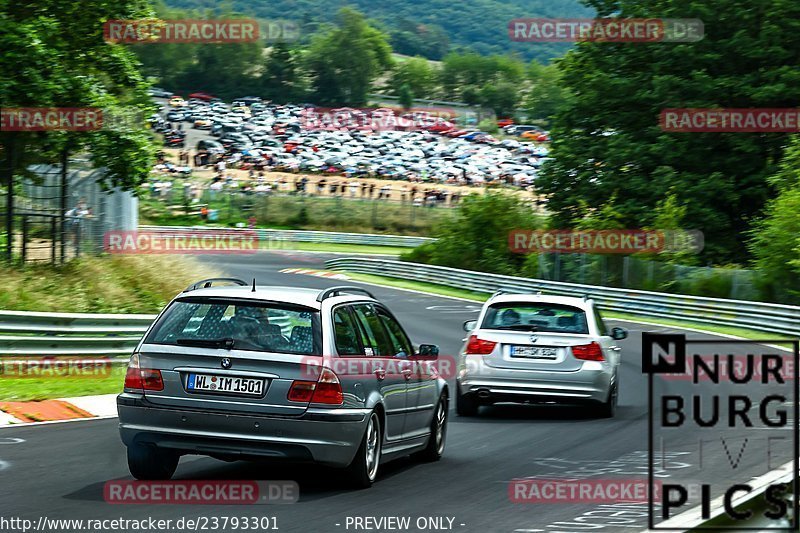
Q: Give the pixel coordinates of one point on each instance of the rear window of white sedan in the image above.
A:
(526, 316)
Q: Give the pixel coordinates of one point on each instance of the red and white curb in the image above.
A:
(318, 273)
(57, 410)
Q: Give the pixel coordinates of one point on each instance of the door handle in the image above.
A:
(407, 373)
(380, 373)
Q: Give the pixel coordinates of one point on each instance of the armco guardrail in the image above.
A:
(273, 237)
(70, 334)
(770, 318)
(35, 335)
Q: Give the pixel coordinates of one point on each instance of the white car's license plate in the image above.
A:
(534, 352)
(225, 384)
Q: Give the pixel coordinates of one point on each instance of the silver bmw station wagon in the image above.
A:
(292, 374)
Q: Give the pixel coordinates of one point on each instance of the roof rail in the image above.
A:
(336, 291)
(206, 283)
(498, 292)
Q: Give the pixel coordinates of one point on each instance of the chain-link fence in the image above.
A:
(56, 223)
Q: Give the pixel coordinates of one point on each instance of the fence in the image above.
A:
(337, 213)
(40, 237)
(772, 318)
(278, 236)
(42, 231)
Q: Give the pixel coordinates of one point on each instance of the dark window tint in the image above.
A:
(376, 335)
(401, 346)
(346, 333)
(527, 316)
(257, 326)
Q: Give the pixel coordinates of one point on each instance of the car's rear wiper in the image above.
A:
(226, 343)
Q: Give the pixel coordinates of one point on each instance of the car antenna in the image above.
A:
(254, 285)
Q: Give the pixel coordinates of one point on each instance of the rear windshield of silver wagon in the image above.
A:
(545, 317)
(239, 325)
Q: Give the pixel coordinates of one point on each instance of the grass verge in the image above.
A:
(44, 388)
(105, 284)
(482, 296)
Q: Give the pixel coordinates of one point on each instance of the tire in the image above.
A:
(466, 405)
(150, 463)
(435, 448)
(363, 471)
(608, 409)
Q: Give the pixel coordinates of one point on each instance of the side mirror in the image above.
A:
(430, 350)
(619, 333)
(469, 325)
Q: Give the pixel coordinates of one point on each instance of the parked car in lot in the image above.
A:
(202, 96)
(534, 135)
(177, 101)
(236, 372)
(530, 348)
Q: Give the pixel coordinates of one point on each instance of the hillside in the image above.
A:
(423, 27)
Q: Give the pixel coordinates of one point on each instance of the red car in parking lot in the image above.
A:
(202, 96)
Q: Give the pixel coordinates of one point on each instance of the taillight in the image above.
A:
(326, 390)
(479, 346)
(302, 391)
(142, 378)
(588, 352)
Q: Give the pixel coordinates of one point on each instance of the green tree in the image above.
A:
(59, 59)
(405, 96)
(775, 238)
(501, 97)
(477, 237)
(461, 71)
(607, 139)
(281, 79)
(345, 60)
(418, 74)
(546, 95)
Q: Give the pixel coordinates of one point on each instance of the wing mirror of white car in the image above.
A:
(429, 350)
(469, 325)
(619, 333)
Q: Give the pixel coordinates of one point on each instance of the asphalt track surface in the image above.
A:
(59, 470)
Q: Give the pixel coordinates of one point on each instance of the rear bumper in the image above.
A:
(325, 436)
(589, 384)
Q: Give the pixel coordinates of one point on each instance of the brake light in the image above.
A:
(142, 378)
(326, 390)
(479, 346)
(588, 352)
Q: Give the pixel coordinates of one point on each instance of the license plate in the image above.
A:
(225, 384)
(534, 352)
